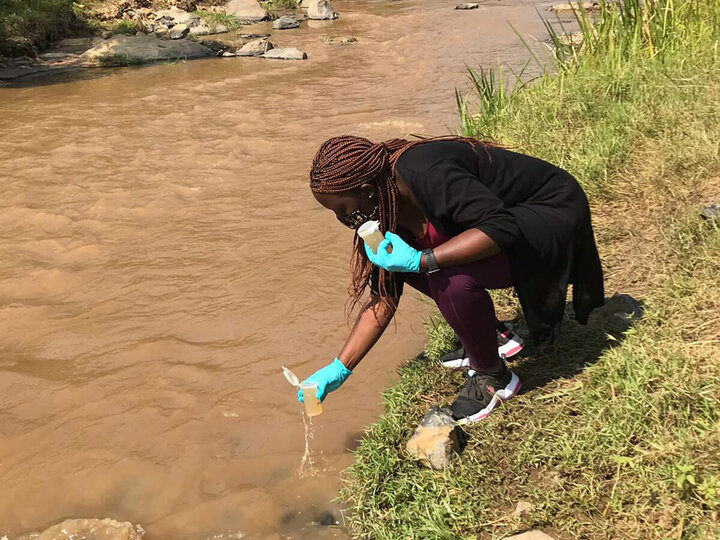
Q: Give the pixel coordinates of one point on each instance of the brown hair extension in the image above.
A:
(345, 163)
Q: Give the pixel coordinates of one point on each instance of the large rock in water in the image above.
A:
(255, 47)
(321, 10)
(145, 48)
(435, 442)
(91, 529)
(286, 22)
(246, 10)
(292, 53)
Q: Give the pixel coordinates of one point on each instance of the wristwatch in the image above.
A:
(431, 261)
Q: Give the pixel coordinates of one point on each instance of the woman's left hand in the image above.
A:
(403, 258)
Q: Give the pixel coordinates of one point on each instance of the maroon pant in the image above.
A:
(460, 293)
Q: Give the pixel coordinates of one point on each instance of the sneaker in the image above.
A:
(509, 344)
(482, 394)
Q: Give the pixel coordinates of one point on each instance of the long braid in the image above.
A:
(345, 163)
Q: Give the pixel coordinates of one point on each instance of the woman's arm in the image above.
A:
(469, 246)
(369, 326)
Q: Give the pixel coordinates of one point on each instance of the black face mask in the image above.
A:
(354, 219)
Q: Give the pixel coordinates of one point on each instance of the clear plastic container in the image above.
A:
(372, 235)
(313, 407)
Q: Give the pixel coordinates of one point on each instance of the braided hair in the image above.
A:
(345, 163)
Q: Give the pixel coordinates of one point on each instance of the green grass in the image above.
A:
(212, 20)
(276, 8)
(617, 434)
(40, 21)
(126, 27)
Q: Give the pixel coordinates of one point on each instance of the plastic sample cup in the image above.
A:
(313, 407)
(372, 235)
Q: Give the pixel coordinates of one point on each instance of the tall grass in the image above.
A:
(598, 95)
(617, 434)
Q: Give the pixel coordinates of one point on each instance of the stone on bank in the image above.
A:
(144, 48)
(435, 442)
(247, 11)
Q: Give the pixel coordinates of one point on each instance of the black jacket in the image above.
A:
(535, 212)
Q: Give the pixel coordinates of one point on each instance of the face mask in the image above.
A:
(357, 218)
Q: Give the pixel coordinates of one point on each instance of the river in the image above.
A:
(162, 257)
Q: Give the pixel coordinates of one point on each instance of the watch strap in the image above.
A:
(431, 261)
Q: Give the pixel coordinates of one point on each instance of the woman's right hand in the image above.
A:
(328, 379)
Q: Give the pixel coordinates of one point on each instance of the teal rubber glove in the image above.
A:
(404, 258)
(328, 379)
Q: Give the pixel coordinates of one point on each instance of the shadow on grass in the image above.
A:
(579, 345)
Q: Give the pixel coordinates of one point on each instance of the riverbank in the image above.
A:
(49, 36)
(616, 434)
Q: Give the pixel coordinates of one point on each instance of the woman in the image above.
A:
(460, 217)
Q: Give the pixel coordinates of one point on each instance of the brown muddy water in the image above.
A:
(162, 256)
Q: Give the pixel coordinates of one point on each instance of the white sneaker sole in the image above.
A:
(501, 395)
(508, 350)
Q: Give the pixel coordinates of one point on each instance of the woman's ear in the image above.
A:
(368, 191)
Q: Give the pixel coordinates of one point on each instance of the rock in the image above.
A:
(107, 34)
(256, 47)
(149, 27)
(92, 529)
(327, 519)
(228, 54)
(435, 441)
(340, 40)
(246, 10)
(186, 5)
(216, 46)
(530, 535)
(711, 213)
(145, 48)
(470, 5)
(253, 36)
(173, 16)
(574, 6)
(179, 31)
(162, 32)
(575, 39)
(201, 30)
(292, 53)
(165, 21)
(286, 22)
(220, 29)
(523, 508)
(321, 10)
(622, 304)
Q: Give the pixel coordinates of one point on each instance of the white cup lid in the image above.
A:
(291, 377)
(368, 227)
